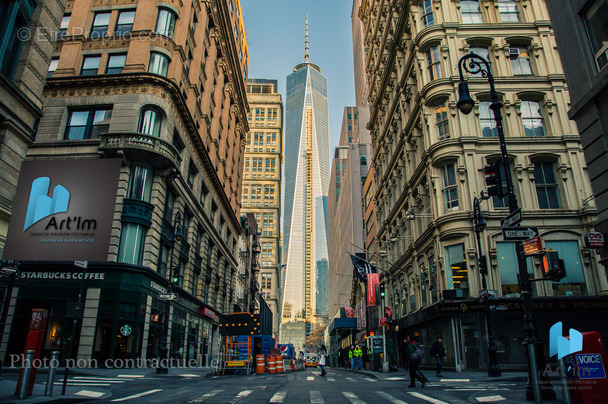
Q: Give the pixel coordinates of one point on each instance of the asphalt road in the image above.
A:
(339, 386)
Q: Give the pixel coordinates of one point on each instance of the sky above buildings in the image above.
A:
(275, 38)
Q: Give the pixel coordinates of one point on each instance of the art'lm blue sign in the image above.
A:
(590, 366)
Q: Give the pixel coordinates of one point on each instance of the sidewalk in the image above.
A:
(8, 383)
(474, 376)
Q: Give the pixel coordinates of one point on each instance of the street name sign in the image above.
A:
(519, 233)
(533, 246)
(167, 296)
(511, 220)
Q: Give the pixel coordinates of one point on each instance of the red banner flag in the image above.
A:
(372, 281)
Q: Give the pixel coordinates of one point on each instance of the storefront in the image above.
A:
(462, 325)
(123, 317)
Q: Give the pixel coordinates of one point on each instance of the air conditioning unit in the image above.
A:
(513, 53)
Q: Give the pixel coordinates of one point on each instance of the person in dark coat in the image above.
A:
(438, 352)
(414, 362)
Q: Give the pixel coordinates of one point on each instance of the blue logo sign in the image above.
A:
(590, 366)
(560, 345)
(41, 205)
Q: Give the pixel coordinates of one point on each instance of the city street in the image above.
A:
(338, 386)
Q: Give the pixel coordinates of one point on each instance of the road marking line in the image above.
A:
(278, 397)
(131, 376)
(145, 393)
(242, 394)
(427, 398)
(331, 379)
(88, 393)
(390, 398)
(83, 384)
(310, 378)
(315, 397)
(99, 378)
(395, 378)
(455, 380)
(188, 375)
(350, 379)
(475, 389)
(353, 397)
(490, 399)
(204, 396)
(370, 379)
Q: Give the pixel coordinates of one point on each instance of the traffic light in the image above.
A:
(483, 265)
(553, 266)
(175, 275)
(382, 292)
(494, 179)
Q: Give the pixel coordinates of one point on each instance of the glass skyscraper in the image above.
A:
(307, 165)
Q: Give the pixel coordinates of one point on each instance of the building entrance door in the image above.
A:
(472, 352)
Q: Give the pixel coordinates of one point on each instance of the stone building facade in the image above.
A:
(428, 165)
(158, 87)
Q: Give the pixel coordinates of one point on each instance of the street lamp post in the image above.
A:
(473, 64)
(480, 225)
(162, 341)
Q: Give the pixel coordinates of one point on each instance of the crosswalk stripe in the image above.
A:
(310, 378)
(390, 398)
(205, 396)
(370, 379)
(395, 378)
(88, 393)
(113, 379)
(136, 376)
(331, 379)
(476, 389)
(350, 379)
(456, 380)
(489, 399)
(427, 398)
(315, 397)
(145, 393)
(353, 397)
(278, 397)
(242, 394)
(83, 384)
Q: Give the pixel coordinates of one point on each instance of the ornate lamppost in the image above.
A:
(475, 64)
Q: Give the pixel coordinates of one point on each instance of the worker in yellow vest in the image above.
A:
(359, 355)
(351, 356)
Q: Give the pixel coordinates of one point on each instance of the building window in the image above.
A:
(532, 118)
(116, 63)
(433, 62)
(165, 24)
(456, 270)
(546, 185)
(595, 20)
(471, 13)
(63, 26)
(88, 123)
(483, 52)
(90, 65)
(125, 22)
(426, 11)
(192, 171)
(100, 24)
(150, 121)
(486, 120)
(508, 11)
(449, 187)
(159, 63)
(140, 186)
(132, 243)
(52, 67)
(441, 121)
(521, 64)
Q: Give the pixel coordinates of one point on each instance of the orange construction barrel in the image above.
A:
(271, 364)
(260, 365)
(279, 363)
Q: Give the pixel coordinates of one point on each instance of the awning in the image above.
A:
(339, 324)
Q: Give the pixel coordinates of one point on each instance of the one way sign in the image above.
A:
(519, 233)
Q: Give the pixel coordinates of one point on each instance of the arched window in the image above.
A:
(159, 64)
(165, 23)
(150, 121)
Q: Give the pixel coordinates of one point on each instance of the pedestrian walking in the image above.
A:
(351, 356)
(438, 352)
(359, 355)
(322, 362)
(415, 355)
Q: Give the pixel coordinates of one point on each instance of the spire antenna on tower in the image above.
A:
(306, 55)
